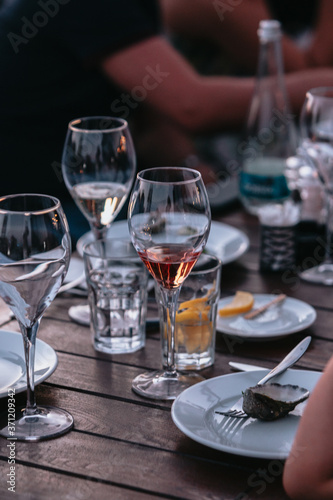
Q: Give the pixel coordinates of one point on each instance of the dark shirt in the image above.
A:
(49, 55)
(295, 16)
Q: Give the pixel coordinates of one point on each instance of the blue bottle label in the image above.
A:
(263, 187)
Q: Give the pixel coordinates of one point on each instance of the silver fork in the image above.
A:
(237, 409)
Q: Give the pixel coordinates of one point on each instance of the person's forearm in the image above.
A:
(300, 82)
(228, 99)
(219, 103)
(166, 82)
(155, 72)
(308, 472)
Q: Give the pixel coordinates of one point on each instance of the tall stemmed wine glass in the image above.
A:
(34, 256)
(317, 142)
(98, 165)
(169, 221)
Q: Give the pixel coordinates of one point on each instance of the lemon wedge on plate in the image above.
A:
(242, 302)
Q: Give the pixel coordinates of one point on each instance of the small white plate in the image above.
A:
(290, 316)
(75, 271)
(193, 412)
(226, 242)
(12, 363)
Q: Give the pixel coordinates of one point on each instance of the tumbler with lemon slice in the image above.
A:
(196, 316)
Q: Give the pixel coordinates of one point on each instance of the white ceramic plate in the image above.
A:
(75, 270)
(12, 364)
(193, 412)
(226, 242)
(290, 316)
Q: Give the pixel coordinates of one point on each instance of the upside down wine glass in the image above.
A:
(317, 142)
(34, 257)
(169, 221)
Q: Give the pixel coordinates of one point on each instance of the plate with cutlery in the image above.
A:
(283, 318)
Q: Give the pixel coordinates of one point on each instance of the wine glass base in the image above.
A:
(322, 274)
(161, 385)
(48, 422)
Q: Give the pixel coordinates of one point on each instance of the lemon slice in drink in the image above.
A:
(194, 330)
(242, 302)
(194, 304)
(197, 337)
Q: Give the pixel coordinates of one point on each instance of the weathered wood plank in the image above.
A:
(136, 466)
(131, 423)
(34, 483)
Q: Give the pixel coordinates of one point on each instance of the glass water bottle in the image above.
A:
(270, 133)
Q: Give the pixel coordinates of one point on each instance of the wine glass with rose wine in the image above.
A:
(34, 257)
(98, 165)
(317, 143)
(169, 221)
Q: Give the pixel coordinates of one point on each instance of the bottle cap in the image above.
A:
(269, 29)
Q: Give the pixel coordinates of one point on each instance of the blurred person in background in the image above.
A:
(64, 59)
(231, 26)
(221, 37)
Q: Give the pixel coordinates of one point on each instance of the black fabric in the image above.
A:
(49, 57)
(294, 15)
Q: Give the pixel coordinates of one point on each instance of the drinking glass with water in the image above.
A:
(117, 286)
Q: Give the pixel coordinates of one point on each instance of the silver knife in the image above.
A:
(294, 355)
(243, 367)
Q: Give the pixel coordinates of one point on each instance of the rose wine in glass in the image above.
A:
(317, 143)
(169, 222)
(34, 256)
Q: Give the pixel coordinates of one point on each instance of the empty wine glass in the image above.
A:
(169, 222)
(98, 165)
(34, 257)
(317, 142)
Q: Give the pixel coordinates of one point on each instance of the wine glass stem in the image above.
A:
(329, 223)
(99, 233)
(29, 340)
(170, 301)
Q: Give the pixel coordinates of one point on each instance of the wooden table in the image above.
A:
(127, 447)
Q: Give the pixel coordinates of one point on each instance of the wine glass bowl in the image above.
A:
(317, 142)
(98, 166)
(34, 257)
(169, 222)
